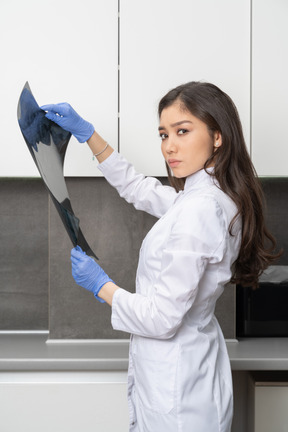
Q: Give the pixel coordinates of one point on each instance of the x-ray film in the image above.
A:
(47, 143)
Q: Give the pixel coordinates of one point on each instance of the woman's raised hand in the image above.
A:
(65, 116)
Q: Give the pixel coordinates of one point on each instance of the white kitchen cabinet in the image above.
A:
(165, 43)
(270, 87)
(63, 401)
(268, 403)
(68, 52)
(271, 402)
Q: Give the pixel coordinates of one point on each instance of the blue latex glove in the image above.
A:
(65, 116)
(87, 273)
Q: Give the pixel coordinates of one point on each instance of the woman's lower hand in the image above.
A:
(87, 273)
(65, 116)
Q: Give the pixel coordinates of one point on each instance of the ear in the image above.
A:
(217, 140)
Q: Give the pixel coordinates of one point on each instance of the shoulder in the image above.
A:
(199, 226)
(211, 204)
(203, 222)
(203, 206)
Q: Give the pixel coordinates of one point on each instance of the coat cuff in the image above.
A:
(119, 298)
(109, 161)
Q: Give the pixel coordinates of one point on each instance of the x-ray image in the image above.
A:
(47, 143)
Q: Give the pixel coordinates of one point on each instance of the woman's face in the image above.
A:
(186, 142)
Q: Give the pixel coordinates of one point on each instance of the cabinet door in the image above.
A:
(165, 43)
(270, 87)
(65, 407)
(68, 52)
(271, 404)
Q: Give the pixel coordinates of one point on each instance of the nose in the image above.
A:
(170, 146)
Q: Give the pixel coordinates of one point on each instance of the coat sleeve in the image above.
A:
(197, 239)
(145, 193)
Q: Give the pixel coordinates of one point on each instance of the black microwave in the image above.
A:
(263, 312)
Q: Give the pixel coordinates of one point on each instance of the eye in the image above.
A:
(163, 136)
(182, 131)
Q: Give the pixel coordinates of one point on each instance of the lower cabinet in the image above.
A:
(64, 402)
(268, 402)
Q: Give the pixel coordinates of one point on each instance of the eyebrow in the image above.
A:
(175, 124)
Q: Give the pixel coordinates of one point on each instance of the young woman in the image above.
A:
(210, 231)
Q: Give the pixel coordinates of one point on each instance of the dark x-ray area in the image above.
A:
(47, 143)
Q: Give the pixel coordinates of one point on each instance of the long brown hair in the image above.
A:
(234, 172)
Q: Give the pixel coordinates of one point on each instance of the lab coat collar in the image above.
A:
(199, 179)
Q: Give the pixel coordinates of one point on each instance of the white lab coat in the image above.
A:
(179, 376)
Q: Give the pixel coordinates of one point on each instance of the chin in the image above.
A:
(182, 175)
(178, 173)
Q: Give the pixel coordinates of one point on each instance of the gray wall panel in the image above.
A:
(114, 230)
(23, 255)
(276, 195)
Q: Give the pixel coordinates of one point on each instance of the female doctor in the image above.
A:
(210, 231)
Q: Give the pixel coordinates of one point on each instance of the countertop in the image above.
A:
(35, 352)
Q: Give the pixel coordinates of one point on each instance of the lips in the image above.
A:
(173, 163)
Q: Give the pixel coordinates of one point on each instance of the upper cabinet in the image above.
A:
(114, 76)
(270, 87)
(68, 52)
(165, 43)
